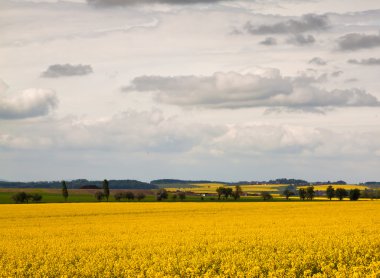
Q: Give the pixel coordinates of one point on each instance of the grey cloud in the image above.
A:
(337, 73)
(234, 90)
(308, 22)
(318, 61)
(110, 3)
(301, 39)
(356, 41)
(269, 41)
(59, 70)
(30, 103)
(365, 62)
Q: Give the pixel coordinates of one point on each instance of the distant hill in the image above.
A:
(80, 183)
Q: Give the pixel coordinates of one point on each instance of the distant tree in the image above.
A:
(220, 191)
(140, 196)
(99, 195)
(310, 193)
(330, 192)
(266, 196)
(181, 195)
(129, 195)
(161, 194)
(237, 192)
(287, 193)
(354, 194)
(341, 193)
(65, 193)
(21, 197)
(174, 196)
(118, 196)
(227, 192)
(36, 197)
(370, 193)
(106, 189)
(302, 193)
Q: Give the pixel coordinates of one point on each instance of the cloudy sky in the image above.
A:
(192, 89)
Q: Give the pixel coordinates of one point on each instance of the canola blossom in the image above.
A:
(295, 239)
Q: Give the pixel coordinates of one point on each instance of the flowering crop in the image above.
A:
(298, 239)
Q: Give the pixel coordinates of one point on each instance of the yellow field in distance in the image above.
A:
(298, 239)
(211, 188)
(345, 186)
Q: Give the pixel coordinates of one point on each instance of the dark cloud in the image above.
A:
(366, 62)
(30, 103)
(235, 90)
(59, 70)
(355, 41)
(110, 3)
(269, 41)
(301, 39)
(318, 61)
(309, 22)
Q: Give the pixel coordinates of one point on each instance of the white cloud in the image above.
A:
(29, 103)
(234, 90)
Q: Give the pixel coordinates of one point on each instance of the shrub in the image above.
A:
(99, 196)
(266, 196)
(161, 194)
(140, 196)
(118, 196)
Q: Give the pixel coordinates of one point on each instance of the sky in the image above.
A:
(229, 90)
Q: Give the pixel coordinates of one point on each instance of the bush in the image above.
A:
(118, 196)
(129, 195)
(36, 197)
(99, 196)
(181, 195)
(140, 196)
(266, 196)
(161, 194)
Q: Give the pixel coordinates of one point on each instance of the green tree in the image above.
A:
(65, 193)
(161, 194)
(21, 197)
(310, 193)
(341, 193)
(106, 189)
(237, 192)
(302, 193)
(227, 192)
(354, 194)
(287, 193)
(220, 191)
(330, 192)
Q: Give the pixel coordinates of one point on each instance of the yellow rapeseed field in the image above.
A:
(211, 188)
(296, 239)
(335, 186)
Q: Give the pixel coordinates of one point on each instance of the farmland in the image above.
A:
(297, 239)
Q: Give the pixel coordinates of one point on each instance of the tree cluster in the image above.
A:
(23, 197)
(129, 196)
(229, 192)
